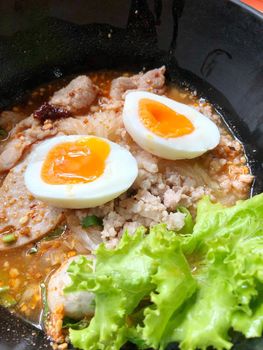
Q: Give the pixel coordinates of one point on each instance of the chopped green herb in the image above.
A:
(7, 301)
(57, 232)
(4, 289)
(91, 220)
(10, 238)
(70, 323)
(3, 133)
(32, 250)
(45, 311)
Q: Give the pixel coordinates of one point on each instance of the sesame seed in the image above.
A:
(24, 220)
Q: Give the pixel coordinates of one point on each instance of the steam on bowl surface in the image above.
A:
(205, 45)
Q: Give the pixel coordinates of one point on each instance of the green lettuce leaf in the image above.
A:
(226, 250)
(188, 222)
(173, 280)
(214, 221)
(121, 279)
(190, 286)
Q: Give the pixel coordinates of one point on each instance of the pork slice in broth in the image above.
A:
(22, 136)
(79, 94)
(152, 81)
(22, 216)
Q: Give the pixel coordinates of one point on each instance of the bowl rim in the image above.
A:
(247, 8)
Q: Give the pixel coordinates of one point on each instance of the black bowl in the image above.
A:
(213, 46)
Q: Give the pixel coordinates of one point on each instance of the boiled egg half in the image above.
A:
(78, 171)
(166, 128)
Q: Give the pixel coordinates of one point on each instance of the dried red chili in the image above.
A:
(48, 111)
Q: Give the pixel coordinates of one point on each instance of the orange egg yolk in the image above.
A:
(162, 120)
(81, 161)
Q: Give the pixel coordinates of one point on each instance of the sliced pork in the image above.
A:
(77, 96)
(21, 215)
(26, 133)
(152, 81)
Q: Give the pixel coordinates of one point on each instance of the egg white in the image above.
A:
(205, 136)
(119, 174)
